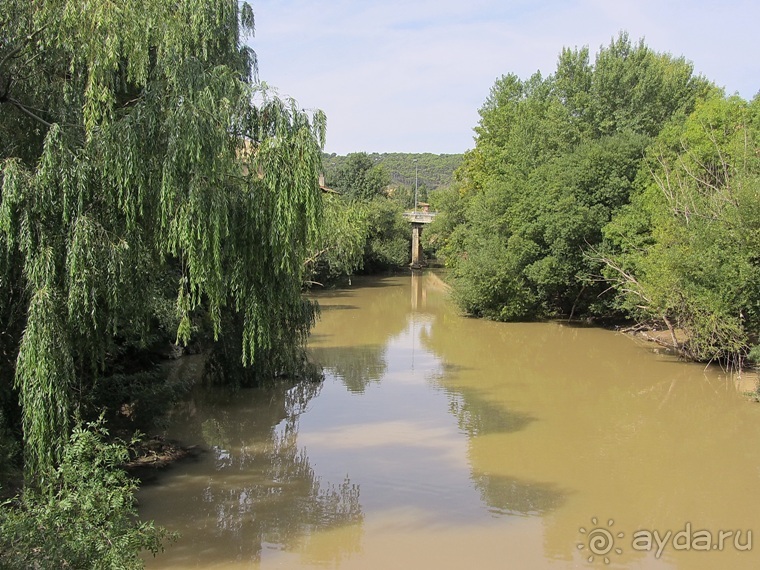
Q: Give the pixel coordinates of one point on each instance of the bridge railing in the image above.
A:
(420, 217)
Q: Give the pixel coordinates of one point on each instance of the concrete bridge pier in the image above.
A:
(418, 259)
(418, 219)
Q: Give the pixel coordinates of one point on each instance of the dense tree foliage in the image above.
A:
(388, 242)
(358, 176)
(686, 248)
(401, 173)
(140, 122)
(339, 251)
(625, 188)
(555, 158)
(88, 521)
(363, 227)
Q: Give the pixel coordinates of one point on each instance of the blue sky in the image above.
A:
(410, 76)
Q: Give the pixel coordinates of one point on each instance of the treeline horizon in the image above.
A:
(433, 170)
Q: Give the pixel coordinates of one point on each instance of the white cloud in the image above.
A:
(410, 76)
(394, 433)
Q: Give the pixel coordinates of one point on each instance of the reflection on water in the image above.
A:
(474, 444)
(355, 366)
(254, 487)
(477, 416)
(508, 496)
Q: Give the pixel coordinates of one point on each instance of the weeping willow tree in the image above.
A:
(134, 138)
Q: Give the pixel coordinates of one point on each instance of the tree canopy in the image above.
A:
(401, 172)
(358, 176)
(136, 150)
(622, 189)
(685, 250)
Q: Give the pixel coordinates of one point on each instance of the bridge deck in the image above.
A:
(420, 217)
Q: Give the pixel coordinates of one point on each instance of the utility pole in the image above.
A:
(415, 185)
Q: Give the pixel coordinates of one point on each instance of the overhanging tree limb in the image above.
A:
(25, 110)
(15, 51)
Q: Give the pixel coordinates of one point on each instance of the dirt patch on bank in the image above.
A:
(661, 337)
(746, 380)
(156, 454)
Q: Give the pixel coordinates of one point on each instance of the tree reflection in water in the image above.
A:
(504, 495)
(355, 366)
(255, 489)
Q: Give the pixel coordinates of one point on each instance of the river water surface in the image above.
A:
(437, 441)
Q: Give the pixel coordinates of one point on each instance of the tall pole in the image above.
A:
(415, 185)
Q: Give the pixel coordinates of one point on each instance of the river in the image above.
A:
(442, 442)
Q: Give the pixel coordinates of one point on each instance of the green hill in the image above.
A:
(433, 170)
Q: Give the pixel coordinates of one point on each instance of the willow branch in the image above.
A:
(316, 256)
(11, 54)
(27, 112)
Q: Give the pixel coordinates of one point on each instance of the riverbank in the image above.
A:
(746, 379)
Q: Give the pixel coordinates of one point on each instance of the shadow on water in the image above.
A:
(254, 486)
(358, 283)
(336, 307)
(375, 282)
(477, 416)
(508, 496)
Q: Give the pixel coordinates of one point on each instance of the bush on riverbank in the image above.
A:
(83, 516)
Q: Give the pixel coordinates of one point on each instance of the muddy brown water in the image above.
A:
(437, 441)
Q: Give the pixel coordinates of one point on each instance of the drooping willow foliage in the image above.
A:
(130, 142)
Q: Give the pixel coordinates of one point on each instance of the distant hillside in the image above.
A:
(433, 170)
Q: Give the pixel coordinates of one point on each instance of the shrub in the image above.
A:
(83, 517)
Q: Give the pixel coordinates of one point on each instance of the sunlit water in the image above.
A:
(438, 441)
